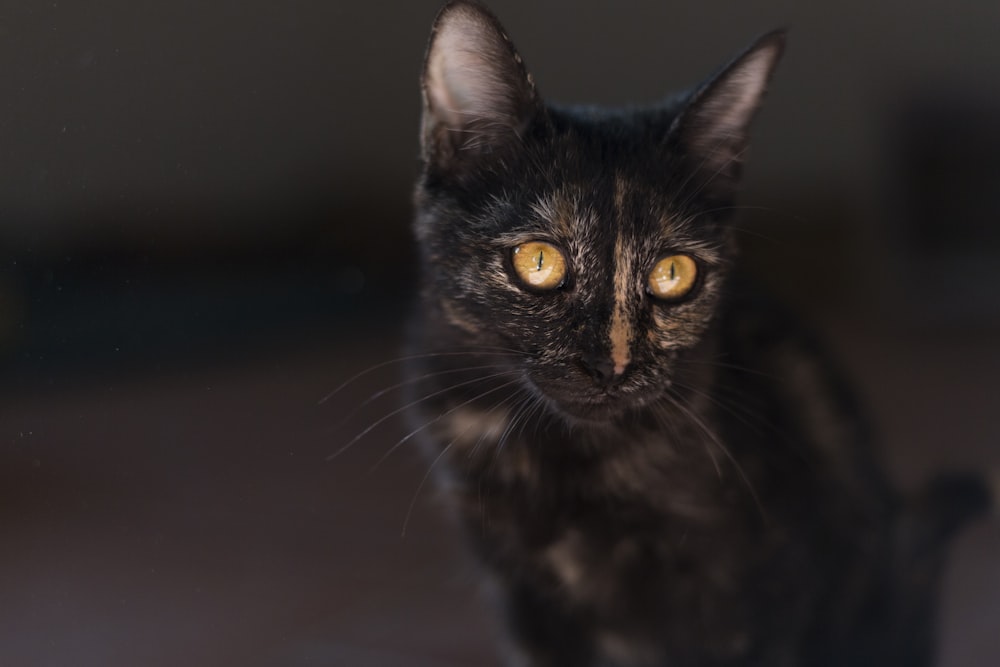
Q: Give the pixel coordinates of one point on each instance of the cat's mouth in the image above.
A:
(592, 407)
(592, 411)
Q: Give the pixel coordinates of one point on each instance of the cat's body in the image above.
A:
(649, 479)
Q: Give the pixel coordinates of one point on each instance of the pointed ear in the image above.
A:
(713, 127)
(477, 93)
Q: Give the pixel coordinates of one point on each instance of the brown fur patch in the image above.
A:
(621, 323)
(453, 316)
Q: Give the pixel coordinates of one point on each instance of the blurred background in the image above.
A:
(204, 230)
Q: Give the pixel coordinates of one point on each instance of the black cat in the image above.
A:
(654, 465)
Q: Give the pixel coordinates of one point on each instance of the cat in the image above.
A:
(653, 463)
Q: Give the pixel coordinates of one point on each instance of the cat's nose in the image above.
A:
(601, 368)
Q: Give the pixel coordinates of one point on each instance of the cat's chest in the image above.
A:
(612, 566)
(643, 535)
(647, 590)
(611, 547)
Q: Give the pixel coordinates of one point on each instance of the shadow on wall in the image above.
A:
(309, 268)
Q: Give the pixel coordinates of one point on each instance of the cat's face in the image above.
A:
(569, 261)
(594, 244)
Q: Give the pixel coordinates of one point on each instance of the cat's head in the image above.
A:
(593, 242)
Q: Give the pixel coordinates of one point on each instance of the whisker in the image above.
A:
(411, 380)
(735, 367)
(536, 406)
(412, 433)
(515, 397)
(441, 454)
(733, 158)
(677, 401)
(423, 480)
(719, 404)
(511, 424)
(664, 419)
(766, 209)
(413, 403)
(500, 351)
(527, 401)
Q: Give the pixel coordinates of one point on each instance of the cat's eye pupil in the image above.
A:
(538, 265)
(672, 277)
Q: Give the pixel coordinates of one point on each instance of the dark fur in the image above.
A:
(716, 504)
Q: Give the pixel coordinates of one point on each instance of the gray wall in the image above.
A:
(117, 113)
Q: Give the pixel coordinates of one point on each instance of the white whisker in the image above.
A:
(411, 404)
(408, 381)
(413, 357)
(412, 433)
(676, 399)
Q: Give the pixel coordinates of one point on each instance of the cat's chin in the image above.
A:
(591, 411)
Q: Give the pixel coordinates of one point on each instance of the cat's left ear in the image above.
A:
(713, 127)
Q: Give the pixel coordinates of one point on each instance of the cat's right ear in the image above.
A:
(478, 96)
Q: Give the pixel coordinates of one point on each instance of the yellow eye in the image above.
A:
(539, 265)
(672, 277)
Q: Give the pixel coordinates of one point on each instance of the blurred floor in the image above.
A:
(192, 517)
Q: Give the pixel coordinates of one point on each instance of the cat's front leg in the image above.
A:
(543, 631)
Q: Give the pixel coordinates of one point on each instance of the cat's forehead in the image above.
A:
(608, 176)
(618, 209)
